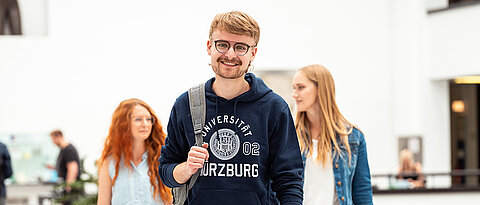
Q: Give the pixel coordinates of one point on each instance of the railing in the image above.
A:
(456, 180)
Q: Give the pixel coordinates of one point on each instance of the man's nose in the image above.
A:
(230, 54)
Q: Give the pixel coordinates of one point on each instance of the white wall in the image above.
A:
(454, 44)
(34, 17)
(408, 18)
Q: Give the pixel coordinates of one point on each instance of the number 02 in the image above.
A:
(251, 148)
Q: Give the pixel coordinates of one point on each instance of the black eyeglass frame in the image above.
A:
(234, 47)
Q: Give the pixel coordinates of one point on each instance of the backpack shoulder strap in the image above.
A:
(196, 96)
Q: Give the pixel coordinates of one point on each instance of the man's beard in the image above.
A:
(239, 73)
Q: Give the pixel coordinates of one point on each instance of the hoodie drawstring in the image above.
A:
(216, 114)
(235, 115)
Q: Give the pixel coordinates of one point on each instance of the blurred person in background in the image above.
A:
(68, 161)
(5, 171)
(128, 165)
(410, 170)
(334, 150)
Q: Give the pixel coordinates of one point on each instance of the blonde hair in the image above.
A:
(407, 156)
(331, 121)
(236, 22)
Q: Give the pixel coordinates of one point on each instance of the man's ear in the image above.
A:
(209, 47)
(254, 52)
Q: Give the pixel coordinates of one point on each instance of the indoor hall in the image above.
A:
(406, 72)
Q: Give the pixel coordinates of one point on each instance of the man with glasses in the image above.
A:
(250, 153)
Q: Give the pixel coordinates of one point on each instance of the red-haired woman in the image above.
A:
(128, 166)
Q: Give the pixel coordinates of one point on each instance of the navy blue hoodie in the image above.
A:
(253, 147)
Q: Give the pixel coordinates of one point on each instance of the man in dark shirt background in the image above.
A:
(68, 161)
(5, 171)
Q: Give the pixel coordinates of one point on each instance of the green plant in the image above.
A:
(77, 195)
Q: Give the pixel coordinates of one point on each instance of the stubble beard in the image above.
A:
(239, 73)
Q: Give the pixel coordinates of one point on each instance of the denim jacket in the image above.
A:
(352, 182)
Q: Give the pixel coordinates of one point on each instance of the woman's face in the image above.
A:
(141, 122)
(304, 92)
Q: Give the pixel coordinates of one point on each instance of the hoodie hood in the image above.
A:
(258, 89)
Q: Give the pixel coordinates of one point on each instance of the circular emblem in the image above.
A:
(226, 145)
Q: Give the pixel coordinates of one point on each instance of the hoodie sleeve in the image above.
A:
(175, 150)
(286, 160)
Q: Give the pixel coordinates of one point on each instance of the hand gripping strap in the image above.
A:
(196, 97)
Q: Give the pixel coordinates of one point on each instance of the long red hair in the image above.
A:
(118, 145)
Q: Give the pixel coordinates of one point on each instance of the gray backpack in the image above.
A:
(196, 96)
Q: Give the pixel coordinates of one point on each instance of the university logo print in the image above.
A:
(226, 145)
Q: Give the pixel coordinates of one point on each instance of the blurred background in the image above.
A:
(407, 72)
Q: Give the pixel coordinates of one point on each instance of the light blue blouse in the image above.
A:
(132, 188)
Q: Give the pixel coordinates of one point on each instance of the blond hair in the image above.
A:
(406, 156)
(236, 22)
(332, 122)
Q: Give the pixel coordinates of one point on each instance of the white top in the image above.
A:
(132, 188)
(319, 187)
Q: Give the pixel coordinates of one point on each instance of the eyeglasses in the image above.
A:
(223, 46)
(140, 120)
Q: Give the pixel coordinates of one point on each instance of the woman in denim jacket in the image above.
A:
(334, 150)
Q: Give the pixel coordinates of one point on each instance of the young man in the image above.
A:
(251, 153)
(5, 172)
(68, 161)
